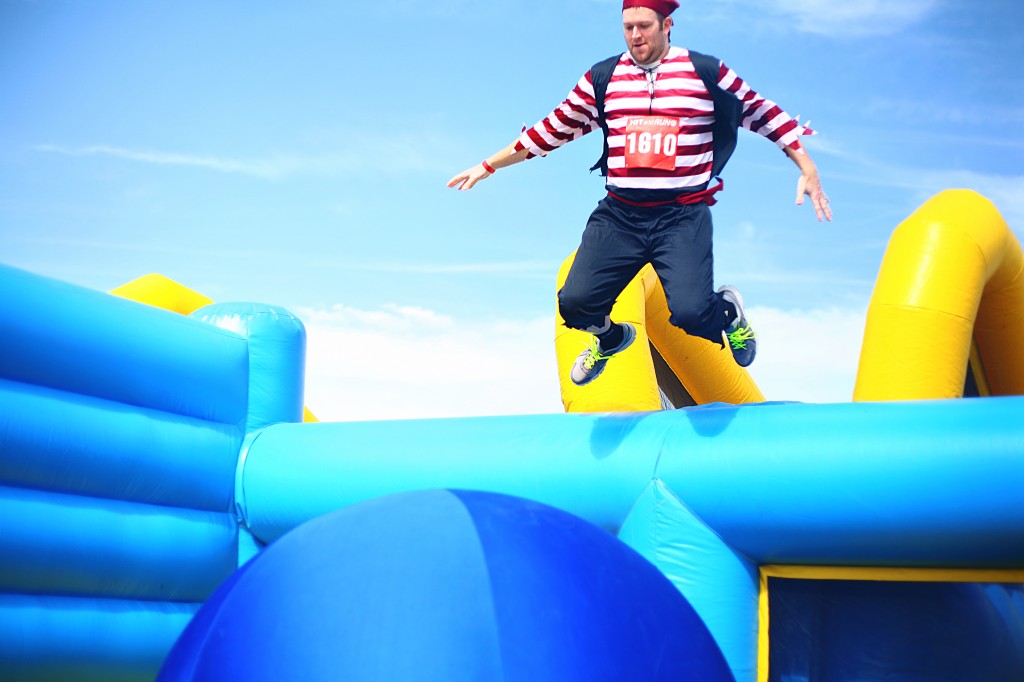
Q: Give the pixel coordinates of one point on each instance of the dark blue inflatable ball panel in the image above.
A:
(447, 585)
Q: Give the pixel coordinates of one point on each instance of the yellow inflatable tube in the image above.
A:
(163, 292)
(705, 371)
(953, 272)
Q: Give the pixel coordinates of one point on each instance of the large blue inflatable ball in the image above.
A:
(447, 585)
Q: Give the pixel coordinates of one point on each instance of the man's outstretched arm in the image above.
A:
(809, 183)
(506, 157)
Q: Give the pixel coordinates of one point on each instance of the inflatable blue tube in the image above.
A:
(120, 429)
(720, 584)
(73, 339)
(87, 640)
(934, 483)
(591, 465)
(69, 443)
(277, 358)
(68, 544)
(861, 484)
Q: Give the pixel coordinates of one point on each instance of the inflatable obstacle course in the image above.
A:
(145, 454)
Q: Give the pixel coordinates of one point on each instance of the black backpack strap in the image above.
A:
(600, 76)
(728, 110)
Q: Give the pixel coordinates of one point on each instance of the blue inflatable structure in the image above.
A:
(447, 585)
(145, 456)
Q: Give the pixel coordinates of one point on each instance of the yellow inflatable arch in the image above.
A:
(948, 306)
(664, 367)
(946, 315)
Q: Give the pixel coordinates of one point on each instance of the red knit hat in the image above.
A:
(662, 7)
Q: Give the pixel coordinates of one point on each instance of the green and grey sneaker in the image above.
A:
(740, 336)
(591, 362)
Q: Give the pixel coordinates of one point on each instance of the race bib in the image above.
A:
(651, 142)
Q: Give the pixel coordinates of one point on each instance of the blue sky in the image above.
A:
(297, 153)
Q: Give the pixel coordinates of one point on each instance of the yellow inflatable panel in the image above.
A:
(949, 299)
(630, 383)
(162, 292)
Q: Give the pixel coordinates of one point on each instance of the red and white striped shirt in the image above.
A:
(678, 93)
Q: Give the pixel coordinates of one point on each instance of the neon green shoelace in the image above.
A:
(739, 338)
(595, 355)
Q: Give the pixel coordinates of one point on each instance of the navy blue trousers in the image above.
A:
(620, 239)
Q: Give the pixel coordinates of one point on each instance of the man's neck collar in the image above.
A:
(653, 65)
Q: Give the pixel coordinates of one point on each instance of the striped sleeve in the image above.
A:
(573, 118)
(761, 115)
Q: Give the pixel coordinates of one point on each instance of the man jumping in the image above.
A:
(669, 117)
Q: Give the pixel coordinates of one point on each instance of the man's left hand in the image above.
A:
(810, 185)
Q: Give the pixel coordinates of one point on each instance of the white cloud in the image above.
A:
(259, 168)
(808, 356)
(398, 154)
(407, 362)
(522, 268)
(391, 318)
(1006, 192)
(852, 18)
(959, 119)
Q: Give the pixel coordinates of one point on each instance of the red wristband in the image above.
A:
(487, 167)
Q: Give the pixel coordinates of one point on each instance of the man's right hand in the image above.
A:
(469, 177)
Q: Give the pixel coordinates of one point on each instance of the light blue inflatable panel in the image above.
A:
(593, 466)
(66, 544)
(720, 584)
(924, 484)
(277, 358)
(81, 341)
(65, 442)
(934, 483)
(86, 640)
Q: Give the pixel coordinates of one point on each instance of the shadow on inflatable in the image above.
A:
(169, 509)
